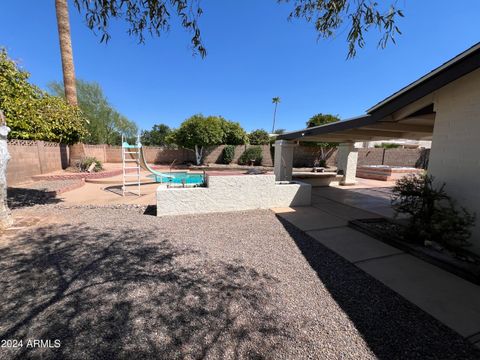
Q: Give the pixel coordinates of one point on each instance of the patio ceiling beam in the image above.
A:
(398, 127)
(376, 133)
(339, 137)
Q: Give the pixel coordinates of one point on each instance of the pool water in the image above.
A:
(179, 178)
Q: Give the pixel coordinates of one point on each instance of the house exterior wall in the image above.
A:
(455, 153)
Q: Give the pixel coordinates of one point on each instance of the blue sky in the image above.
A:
(254, 54)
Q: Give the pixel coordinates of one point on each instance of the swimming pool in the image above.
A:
(179, 178)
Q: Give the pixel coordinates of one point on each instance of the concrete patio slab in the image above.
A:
(309, 218)
(353, 245)
(450, 299)
(341, 210)
(376, 201)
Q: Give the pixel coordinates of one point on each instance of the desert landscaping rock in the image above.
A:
(110, 282)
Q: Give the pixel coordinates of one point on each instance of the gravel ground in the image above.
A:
(113, 283)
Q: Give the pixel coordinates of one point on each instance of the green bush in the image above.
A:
(433, 214)
(228, 154)
(86, 162)
(31, 113)
(253, 153)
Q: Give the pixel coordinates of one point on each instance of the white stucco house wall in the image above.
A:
(442, 107)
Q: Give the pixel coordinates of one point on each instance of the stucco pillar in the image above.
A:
(283, 163)
(347, 162)
(5, 217)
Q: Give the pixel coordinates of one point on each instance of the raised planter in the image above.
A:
(389, 232)
(80, 175)
(385, 172)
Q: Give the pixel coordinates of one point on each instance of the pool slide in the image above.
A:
(143, 164)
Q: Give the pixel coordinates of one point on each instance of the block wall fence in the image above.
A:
(29, 158)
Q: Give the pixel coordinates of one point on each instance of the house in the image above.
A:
(443, 106)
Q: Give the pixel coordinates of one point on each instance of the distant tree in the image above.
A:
(322, 119)
(234, 134)
(105, 124)
(197, 132)
(157, 136)
(259, 137)
(279, 131)
(276, 100)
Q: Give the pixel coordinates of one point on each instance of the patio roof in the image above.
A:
(408, 113)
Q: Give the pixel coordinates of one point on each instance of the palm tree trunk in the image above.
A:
(274, 115)
(66, 52)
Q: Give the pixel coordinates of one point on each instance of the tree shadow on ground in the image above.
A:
(108, 296)
(392, 327)
(18, 198)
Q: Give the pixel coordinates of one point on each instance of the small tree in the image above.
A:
(326, 148)
(322, 119)
(105, 124)
(197, 132)
(259, 137)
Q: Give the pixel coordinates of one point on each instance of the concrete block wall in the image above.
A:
(305, 156)
(214, 154)
(393, 157)
(29, 158)
(404, 157)
(96, 151)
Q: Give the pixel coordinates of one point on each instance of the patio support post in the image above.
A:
(347, 162)
(283, 160)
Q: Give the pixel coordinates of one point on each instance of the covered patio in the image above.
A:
(410, 122)
(441, 106)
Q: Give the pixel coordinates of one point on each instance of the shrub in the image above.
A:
(86, 162)
(228, 154)
(31, 113)
(259, 137)
(253, 153)
(433, 214)
(387, 146)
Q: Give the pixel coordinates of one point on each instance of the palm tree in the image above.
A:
(66, 52)
(276, 101)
